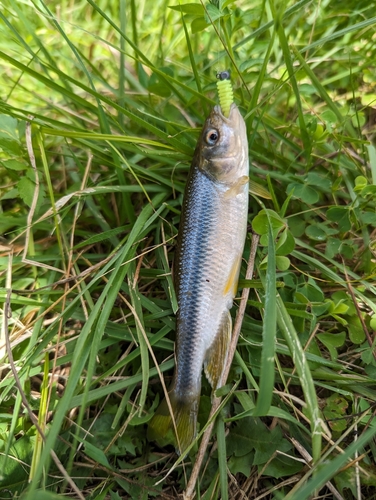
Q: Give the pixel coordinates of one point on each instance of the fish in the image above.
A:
(210, 245)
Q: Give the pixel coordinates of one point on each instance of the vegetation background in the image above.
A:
(101, 104)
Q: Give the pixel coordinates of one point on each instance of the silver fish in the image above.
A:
(210, 246)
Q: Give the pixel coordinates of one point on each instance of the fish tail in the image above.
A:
(178, 428)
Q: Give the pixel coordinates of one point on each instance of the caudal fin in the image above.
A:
(179, 428)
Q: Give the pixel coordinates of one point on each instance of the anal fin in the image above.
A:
(216, 356)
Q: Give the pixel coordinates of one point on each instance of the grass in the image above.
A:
(100, 108)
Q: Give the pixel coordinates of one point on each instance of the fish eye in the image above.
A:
(211, 137)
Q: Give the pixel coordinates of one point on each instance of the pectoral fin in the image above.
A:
(237, 187)
(217, 354)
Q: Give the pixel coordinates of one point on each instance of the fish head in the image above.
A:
(222, 151)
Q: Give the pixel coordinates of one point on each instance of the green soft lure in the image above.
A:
(225, 92)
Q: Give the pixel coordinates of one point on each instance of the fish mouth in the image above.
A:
(233, 115)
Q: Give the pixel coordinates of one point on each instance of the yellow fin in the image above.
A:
(232, 282)
(217, 355)
(162, 429)
(237, 187)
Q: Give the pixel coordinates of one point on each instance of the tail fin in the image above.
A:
(178, 429)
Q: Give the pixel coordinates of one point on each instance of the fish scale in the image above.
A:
(209, 249)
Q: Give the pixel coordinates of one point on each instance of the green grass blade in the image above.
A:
(140, 329)
(291, 71)
(104, 137)
(123, 26)
(316, 82)
(41, 419)
(105, 390)
(126, 205)
(136, 49)
(332, 467)
(84, 103)
(340, 33)
(193, 62)
(222, 458)
(372, 161)
(260, 80)
(328, 272)
(89, 334)
(298, 356)
(259, 31)
(269, 331)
